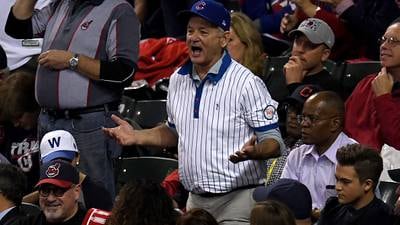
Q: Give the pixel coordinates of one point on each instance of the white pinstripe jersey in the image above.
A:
(213, 119)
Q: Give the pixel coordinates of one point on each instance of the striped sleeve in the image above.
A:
(259, 108)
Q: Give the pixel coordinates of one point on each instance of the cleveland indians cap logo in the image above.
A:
(86, 25)
(53, 170)
(306, 92)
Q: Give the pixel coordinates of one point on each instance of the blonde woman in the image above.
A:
(245, 45)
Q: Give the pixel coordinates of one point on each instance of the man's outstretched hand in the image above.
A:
(123, 133)
(247, 151)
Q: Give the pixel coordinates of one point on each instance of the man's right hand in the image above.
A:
(123, 133)
(294, 70)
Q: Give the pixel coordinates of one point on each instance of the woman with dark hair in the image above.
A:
(143, 203)
(197, 217)
(271, 213)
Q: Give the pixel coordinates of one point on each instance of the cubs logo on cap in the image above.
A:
(212, 11)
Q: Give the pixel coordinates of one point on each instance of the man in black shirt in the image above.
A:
(59, 191)
(312, 43)
(357, 175)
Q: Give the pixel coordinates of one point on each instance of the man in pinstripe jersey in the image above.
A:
(221, 117)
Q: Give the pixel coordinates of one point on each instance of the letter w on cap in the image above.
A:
(54, 141)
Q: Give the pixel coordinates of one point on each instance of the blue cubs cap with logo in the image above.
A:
(58, 173)
(212, 11)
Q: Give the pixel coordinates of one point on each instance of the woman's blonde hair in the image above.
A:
(254, 56)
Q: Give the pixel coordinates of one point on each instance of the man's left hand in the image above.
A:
(247, 152)
(55, 59)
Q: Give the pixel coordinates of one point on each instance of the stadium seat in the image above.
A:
(388, 192)
(149, 113)
(354, 72)
(154, 168)
(126, 106)
(274, 79)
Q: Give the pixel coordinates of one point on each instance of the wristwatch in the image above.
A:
(73, 62)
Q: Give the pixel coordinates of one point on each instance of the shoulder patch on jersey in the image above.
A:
(269, 112)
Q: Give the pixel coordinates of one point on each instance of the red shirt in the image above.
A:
(371, 120)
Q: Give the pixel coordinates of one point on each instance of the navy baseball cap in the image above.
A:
(302, 93)
(292, 193)
(212, 11)
(58, 173)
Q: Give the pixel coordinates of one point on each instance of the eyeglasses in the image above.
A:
(311, 119)
(57, 191)
(390, 40)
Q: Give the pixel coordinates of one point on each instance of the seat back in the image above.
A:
(154, 168)
(274, 79)
(126, 106)
(354, 72)
(388, 192)
(149, 113)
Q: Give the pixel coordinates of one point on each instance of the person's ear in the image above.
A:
(224, 39)
(77, 191)
(325, 54)
(336, 124)
(368, 185)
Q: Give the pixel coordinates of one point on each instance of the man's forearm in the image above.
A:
(23, 9)
(268, 148)
(160, 136)
(89, 67)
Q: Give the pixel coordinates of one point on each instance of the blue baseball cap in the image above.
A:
(212, 11)
(292, 193)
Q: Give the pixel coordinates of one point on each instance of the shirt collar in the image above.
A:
(4, 212)
(329, 154)
(214, 74)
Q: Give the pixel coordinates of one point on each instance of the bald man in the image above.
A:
(314, 162)
(372, 110)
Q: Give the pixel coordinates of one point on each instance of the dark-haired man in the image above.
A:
(357, 175)
(13, 184)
